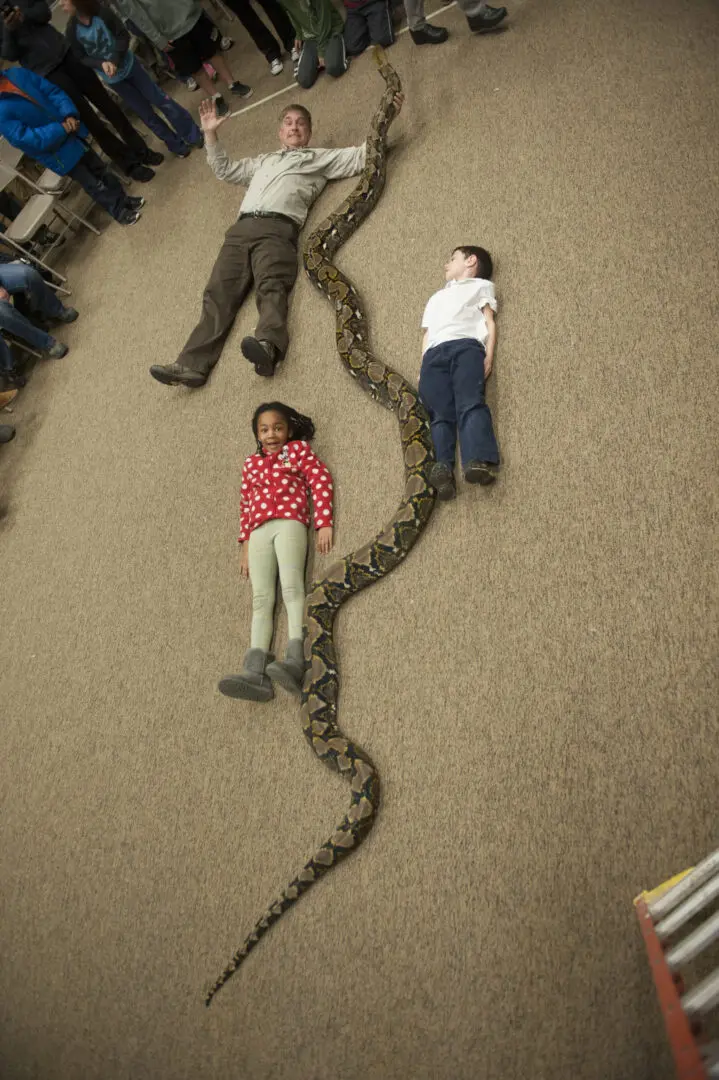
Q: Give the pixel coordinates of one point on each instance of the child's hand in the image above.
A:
(245, 562)
(324, 539)
(109, 68)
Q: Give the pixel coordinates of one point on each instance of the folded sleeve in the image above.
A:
(245, 505)
(319, 479)
(486, 295)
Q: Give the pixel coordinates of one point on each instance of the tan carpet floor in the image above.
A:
(535, 684)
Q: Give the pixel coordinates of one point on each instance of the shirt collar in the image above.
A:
(462, 281)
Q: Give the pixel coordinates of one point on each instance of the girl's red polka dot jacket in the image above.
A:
(278, 486)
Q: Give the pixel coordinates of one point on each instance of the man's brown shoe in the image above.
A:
(262, 354)
(6, 397)
(177, 375)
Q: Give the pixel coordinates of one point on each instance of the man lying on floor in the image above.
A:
(262, 244)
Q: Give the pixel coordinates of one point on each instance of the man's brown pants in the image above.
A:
(259, 250)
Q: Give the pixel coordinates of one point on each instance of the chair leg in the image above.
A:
(77, 217)
(33, 258)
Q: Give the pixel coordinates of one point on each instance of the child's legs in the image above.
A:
(222, 68)
(356, 32)
(204, 81)
(130, 92)
(435, 390)
(476, 433)
(263, 577)
(291, 552)
(307, 67)
(100, 183)
(379, 20)
(181, 121)
(335, 56)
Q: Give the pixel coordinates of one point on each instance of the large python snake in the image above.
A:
(378, 557)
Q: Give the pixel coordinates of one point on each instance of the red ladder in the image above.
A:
(662, 913)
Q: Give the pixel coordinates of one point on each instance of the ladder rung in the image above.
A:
(710, 1057)
(707, 868)
(704, 997)
(696, 942)
(690, 907)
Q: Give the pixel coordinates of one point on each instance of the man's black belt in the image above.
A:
(269, 213)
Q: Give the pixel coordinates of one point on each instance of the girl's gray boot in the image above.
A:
(252, 683)
(290, 672)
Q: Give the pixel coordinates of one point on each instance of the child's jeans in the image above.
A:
(144, 96)
(451, 385)
(278, 544)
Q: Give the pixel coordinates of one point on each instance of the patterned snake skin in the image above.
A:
(375, 559)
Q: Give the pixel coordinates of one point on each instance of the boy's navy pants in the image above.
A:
(451, 385)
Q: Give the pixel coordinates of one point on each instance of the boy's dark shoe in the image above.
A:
(441, 477)
(152, 157)
(221, 106)
(68, 316)
(142, 173)
(128, 216)
(487, 20)
(7, 432)
(262, 354)
(480, 472)
(57, 351)
(429, 35)
(134, 202)
(177, 375)
(240, 89)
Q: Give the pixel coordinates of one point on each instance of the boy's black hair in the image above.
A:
(301, 427)
(484, 259)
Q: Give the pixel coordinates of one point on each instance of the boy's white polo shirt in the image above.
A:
(456, 311)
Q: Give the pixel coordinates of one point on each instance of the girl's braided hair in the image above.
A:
(301, 427)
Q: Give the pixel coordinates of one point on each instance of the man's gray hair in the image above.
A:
(301, 110)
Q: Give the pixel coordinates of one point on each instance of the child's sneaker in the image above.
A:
(240, 89)
(191, 84)
(441, 477)
(227, 42)
(276, 66)
(480, 472)
(221, 106)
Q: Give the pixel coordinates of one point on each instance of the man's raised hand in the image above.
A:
(209, 119)
(397, 103)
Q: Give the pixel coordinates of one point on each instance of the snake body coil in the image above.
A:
(378, 557)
